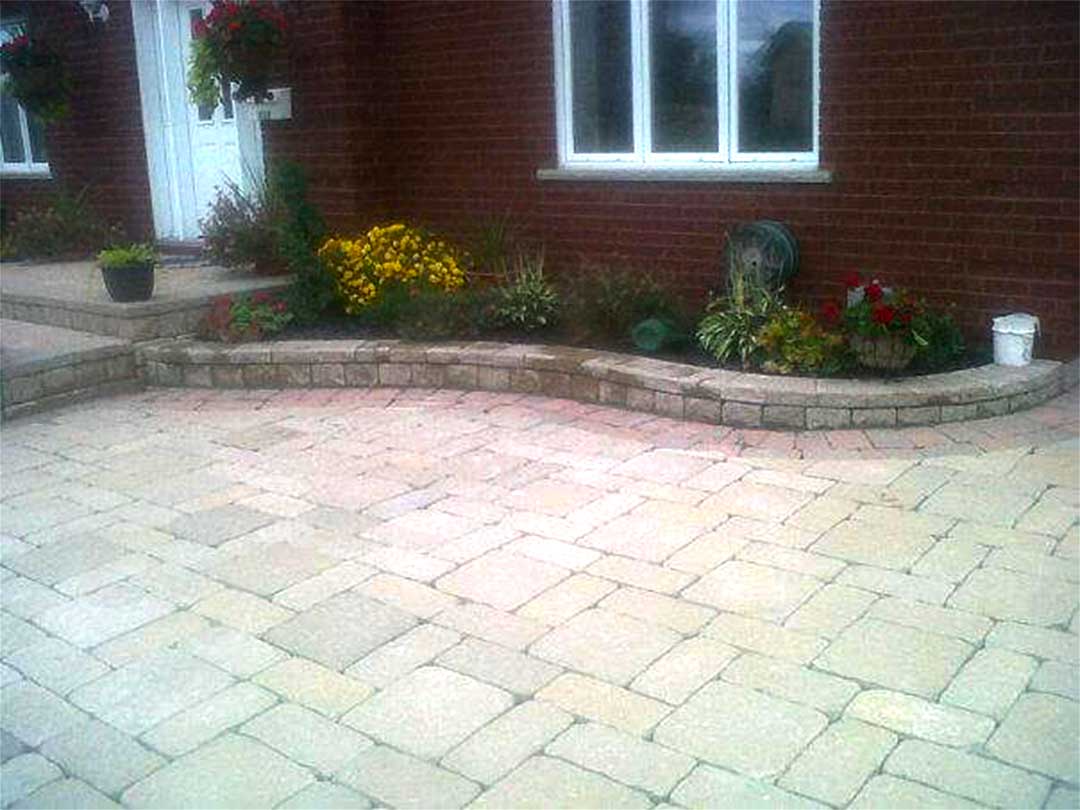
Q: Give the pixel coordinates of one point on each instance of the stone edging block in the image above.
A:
(628, 381)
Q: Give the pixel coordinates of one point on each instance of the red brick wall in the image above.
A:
(951, 129)
(99, 146)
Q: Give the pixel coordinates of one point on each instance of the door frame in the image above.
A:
(165, 110)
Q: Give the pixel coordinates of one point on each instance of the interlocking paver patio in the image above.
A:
(411, 598)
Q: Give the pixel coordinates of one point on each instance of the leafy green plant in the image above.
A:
(606, 304)
(245, 316)
(236, 43)
(300, 231)
(527, 300)
(944, 340)
(430, 313)
(134, 256)
(731, 325)
(792, 341)
(64, 226)
(36, 77)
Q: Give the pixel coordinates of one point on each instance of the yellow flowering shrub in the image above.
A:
(385, 255)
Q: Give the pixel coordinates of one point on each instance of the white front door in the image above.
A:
(191, 151)
(212, 131)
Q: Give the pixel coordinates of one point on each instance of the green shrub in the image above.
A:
(139, 255)
(731, 325)
(606, 304)
(492, 246)
(944, 342)
(66, 226)
(300, 231)
(527, 300)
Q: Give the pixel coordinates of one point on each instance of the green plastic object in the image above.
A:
(653, 334)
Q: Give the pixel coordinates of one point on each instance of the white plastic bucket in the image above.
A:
(1014, 338)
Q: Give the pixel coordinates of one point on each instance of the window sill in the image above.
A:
(637, 174)
(8, 173)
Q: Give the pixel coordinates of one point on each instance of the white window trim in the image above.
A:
(642, 163)
(27, 167)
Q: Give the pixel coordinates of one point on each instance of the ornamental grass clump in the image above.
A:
(387, 258)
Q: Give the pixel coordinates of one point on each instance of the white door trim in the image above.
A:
(164, 107)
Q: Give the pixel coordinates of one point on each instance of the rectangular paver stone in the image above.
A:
(604, 703)
(511, 670)
(398, 780)
(741, 729)
(99, 754)
(404, 654)
(542, 782)
(835, 765)
(307, 738)
(990, 682)
(707, 788)
(683, 669)
(791, 682)
(974, 777)
(314, 686)
(187, 730)
(507, 741)
(916, 717)
(623, 757)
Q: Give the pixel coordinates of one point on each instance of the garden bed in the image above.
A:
(661, 387)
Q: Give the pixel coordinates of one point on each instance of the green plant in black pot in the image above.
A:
(128, 272)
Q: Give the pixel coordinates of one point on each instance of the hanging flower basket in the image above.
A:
(237, 43)
(35, 76)
(890, 352)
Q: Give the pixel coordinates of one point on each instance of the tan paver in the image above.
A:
(958, 623)
(604, 703)
(609, 645)
(507, 741)
(187, 730)
(783, 679)
(402, 655)
(916, 717)
(57, 665)
(500, 579)
(102, 615)
(623, 757)
(741, 729)
(509, 669)
(307, 738)
(990, 682)
(1041, 733)
(682, 670)
(830, 610)
(765, 637)
(974, 777)
(837, 764)
(889, 791)
(314, 686)
(398, 780)
(568, 598)
(244, 611)
(22, 775)
(232, 771)
(1016, 596)
(898, 657)
(102, 756)
(429, 711)
(709, 787)
(326, 794)
(407, 595)
(753, 590)
(542, 782)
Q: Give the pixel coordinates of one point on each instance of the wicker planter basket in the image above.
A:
(890, 352)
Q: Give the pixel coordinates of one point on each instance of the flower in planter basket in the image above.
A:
(237, 43)
(36, 77)
(883, 325)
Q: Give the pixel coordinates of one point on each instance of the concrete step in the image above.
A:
(71, 295)
(44, 366)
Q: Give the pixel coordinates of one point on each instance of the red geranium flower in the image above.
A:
(874, 291)
(830, 311)
(199, 29)
(883, 314)
(260, 297)
(852, 280)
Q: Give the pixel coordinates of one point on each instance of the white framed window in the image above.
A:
(687, 84)
(22, 136)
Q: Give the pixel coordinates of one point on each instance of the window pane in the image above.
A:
(37, 139)
(683, 54)
(775, 42)
(602, 85)
(10, 131)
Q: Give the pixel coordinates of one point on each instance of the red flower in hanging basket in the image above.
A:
(883, 314)
(874, 291)
(852, 280)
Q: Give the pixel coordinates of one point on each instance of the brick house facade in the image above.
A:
(951, 131)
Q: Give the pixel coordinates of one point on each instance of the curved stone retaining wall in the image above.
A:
(636, 383)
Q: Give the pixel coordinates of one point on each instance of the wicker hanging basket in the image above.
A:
(891, 352)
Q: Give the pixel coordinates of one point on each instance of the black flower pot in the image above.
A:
(131, 283)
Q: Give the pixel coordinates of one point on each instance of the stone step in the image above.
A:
(71, 295)
(45, 366)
